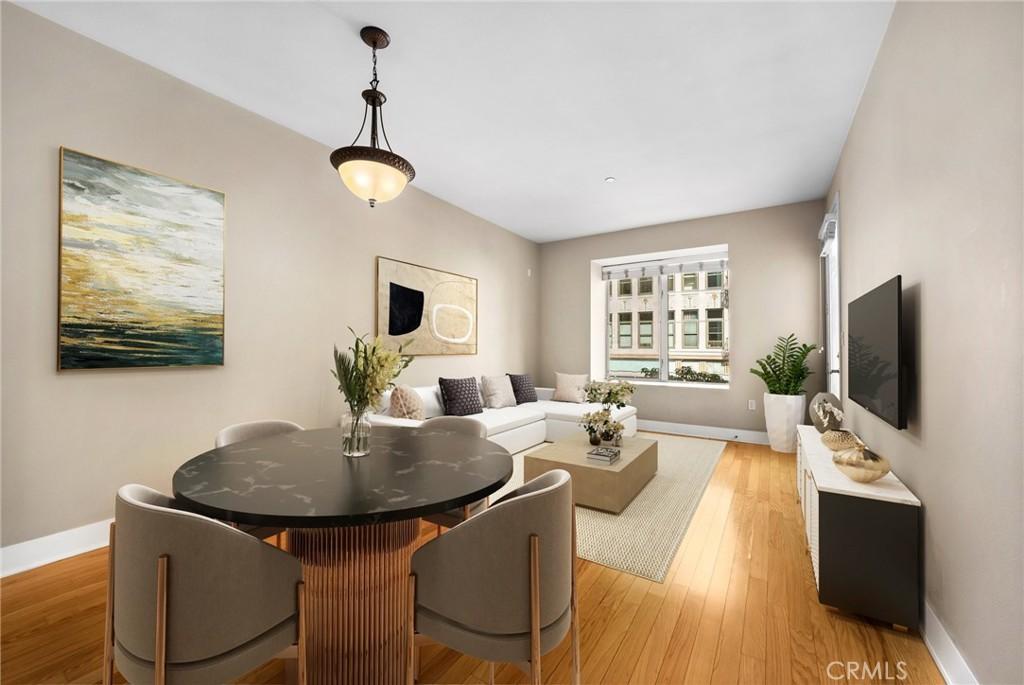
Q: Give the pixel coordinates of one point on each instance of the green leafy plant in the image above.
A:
(785, 369)
(685, 373)
(365, 370)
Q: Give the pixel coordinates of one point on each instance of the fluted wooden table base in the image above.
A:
(357, 595)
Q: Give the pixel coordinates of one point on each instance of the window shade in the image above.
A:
(717, 261)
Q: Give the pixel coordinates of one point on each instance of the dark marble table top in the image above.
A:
(302, 480)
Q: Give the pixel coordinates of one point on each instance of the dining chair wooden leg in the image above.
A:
(574, 626)
(108, 628)
(535, 675)
(301, 648)
(410, 657)
(490, 673)
(160, 651)
(277, 541)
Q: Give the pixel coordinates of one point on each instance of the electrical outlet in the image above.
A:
(752, 405)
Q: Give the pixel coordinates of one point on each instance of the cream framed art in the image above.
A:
(141, 268)
(426, 311)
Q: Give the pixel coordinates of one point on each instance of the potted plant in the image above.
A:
(610, 393)
(784, 372)
(364, 371)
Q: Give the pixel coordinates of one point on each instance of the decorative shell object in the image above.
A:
(860, 464)
(838, 440)
(825, 412)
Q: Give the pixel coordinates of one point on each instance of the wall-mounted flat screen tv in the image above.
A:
(875, 354)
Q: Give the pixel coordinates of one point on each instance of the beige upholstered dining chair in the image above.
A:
(502, 585)
(467, 426)
(192, 600)
(253, 430)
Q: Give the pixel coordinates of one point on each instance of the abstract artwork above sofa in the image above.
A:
(426, 311)
(141, 268)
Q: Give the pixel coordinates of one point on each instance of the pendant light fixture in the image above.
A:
(373, 173)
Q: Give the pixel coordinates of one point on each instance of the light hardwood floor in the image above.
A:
(738, 606)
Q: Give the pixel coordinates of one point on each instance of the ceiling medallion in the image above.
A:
(373, 173)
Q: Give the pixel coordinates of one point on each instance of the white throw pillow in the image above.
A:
(570, 387)
(497, 391)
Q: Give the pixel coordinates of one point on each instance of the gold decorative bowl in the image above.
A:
(861, 465)
(837, 440)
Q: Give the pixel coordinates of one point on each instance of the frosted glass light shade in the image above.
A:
(372, 181)
(372, 174)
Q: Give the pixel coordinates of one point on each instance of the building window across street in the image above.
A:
(625, 330)
(645, 330)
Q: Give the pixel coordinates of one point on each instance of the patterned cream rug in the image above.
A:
(643, 539)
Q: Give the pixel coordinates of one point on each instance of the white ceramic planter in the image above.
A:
(782, 414)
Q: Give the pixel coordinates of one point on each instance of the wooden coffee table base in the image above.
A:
(598, 486)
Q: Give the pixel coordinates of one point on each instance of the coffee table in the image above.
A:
(608, 487)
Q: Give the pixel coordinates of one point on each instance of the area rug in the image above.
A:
(643, 539)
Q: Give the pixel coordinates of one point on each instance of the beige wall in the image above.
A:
(930, 187)
(299, 268)
(773, 291)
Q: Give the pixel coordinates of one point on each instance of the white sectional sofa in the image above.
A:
(514, 428)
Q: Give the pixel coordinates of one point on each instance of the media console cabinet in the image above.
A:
(864, 539)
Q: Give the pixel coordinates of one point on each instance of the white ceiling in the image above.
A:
(517, 111)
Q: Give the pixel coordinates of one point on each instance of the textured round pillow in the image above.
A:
(406, 403)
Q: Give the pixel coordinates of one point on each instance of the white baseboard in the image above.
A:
(739, 435)
(947, 657)
(49, 548)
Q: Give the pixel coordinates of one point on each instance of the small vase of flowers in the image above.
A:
(364, 371)
(600, 426)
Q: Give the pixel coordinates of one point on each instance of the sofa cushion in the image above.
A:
(430, 394)
(406, 403)
(460, 396)
(497, 392)
(507, 418)
(522, 387)
(571, 387)
(573, 411)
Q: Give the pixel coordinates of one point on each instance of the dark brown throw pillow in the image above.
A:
(460, 396)
(522, 387)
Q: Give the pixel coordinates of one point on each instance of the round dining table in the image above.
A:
(351, 521)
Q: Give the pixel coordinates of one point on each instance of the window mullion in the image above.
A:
(663, 327)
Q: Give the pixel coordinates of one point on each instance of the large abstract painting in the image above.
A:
(424, 310)
(141, 268)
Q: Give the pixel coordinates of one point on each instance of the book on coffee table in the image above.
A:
(604, 454)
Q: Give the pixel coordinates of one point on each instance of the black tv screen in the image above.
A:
(874, 352)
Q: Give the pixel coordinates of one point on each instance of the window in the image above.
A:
(645, 330)
(716, 329)
(625, 330)
(669, 322)
(691, 329)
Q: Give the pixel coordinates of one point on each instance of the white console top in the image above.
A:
(828, 478)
